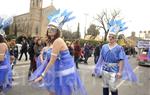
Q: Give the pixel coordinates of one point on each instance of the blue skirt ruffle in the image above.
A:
(38, 61)
(65, 85)
(5, 79)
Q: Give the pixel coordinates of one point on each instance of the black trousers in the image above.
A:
(32, 67)
(76, 60)
(26, 57)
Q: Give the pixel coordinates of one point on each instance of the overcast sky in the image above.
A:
(135, 12)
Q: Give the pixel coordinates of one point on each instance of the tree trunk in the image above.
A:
(105, 38)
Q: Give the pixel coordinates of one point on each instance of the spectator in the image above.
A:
(70, 48)
(24, 49)
(97, 52)
(77, 52)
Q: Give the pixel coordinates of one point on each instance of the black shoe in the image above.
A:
(12, 79)
(105, 91)
(114, 92)
(100, 76)
(93, 75)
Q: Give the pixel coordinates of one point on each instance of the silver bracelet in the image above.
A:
(54, 54)
(43, 74)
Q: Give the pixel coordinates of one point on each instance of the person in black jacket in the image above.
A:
(97, 52)
(70, 47)
(31, 52)
(24, 49)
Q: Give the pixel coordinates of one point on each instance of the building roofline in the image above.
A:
(22, 14)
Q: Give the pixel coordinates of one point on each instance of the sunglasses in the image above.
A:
(111, 37)
(52, 29)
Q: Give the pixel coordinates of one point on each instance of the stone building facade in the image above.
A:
(33, 23)
(133, 39)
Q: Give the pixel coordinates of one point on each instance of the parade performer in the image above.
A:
(121, 40)
(5, 67)
(113, 63)
(60, 75)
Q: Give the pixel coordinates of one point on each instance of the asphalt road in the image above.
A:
(21, 85)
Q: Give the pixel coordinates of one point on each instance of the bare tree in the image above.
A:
(104, 17)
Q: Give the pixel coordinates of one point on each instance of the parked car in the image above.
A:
(143, 58)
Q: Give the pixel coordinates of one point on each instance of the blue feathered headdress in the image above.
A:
(5, 22)
(59, 18)
(116, 26)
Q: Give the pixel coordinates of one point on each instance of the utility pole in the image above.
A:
(85, 23)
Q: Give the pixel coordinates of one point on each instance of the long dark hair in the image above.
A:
(2, 40)
(57, 35)
(37, 42)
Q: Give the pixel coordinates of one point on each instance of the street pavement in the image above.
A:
(93, 85)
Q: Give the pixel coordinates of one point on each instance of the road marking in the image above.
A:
(18, 77)
(21, 66)
(124, 80)
(137, 67)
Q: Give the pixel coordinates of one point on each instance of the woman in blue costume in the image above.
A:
(5, 67)
(113, 63)
(60, 75)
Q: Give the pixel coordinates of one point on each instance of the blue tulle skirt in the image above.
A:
(59, 85)
(5, 77)
(70, 84)
(61, 80)
(38, 61)
(37, 73)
